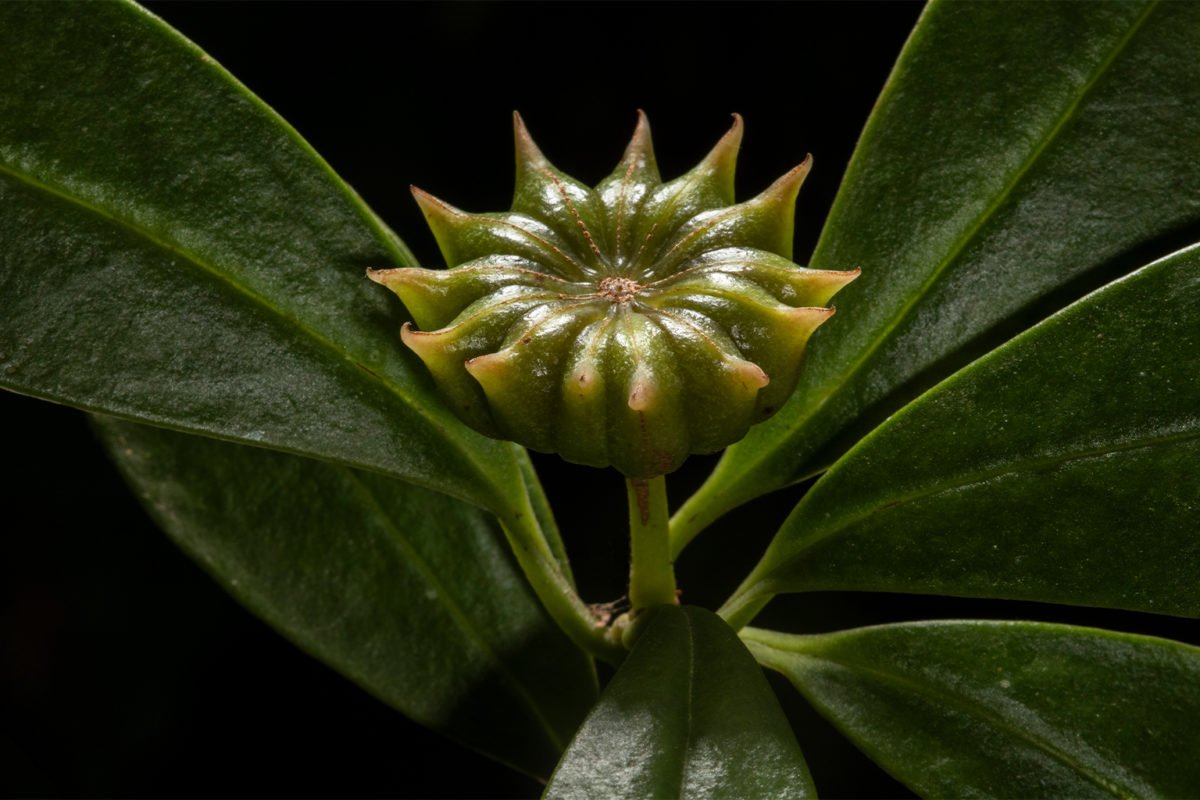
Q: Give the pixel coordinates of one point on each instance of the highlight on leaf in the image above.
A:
(630, 324)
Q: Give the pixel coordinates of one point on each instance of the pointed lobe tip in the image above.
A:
(527, 150)
(786, 188)
(726, 149)
(412, 339)
(752, 374)
(848, 276)
(489, 366)
(399, 276)
(642, 394)
(639, 144)
(432, 205)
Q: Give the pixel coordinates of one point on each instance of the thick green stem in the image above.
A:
(746, 602)
(553, 587)
(652, 571)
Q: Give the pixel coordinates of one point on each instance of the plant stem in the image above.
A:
(542, 511)
(553, 586)
(652, 571)
(700, 510)
(745, 603)
(716, 497)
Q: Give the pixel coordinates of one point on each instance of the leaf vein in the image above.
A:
(965, 239)
(257, 299)
(984, 476)
(1115, 785)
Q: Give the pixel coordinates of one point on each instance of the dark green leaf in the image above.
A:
(1006, 709)
(689, 715)
(409, 593)
(1062, 467)
(1021, 155)
(172, 252)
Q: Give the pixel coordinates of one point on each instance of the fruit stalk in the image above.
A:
(651, 571)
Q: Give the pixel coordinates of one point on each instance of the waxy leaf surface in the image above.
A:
(409, 593)
(1061, 467)
(1021, 155)
(172, 252)
(1006, 709)
(689, 715)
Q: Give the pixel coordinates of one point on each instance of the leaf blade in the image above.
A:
(1074, 442)
(1020, 155)
(410, 594)
(145, 185)
(1003, 709)
(688, 715)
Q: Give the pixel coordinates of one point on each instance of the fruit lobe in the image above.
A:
(629, 324)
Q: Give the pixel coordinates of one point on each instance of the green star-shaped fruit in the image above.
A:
(629, 324)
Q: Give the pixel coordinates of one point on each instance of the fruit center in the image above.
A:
(618, 289)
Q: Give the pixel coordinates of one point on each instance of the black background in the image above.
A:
(124, 671)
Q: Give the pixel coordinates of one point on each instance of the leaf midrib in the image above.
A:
(691, 691)
(971, 707)
(224, 277)
(985, 476)
(468, 626)
(764, 454)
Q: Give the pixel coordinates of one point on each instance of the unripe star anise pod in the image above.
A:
(628, 325)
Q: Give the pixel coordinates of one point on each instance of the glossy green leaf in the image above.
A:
(1020, 155)
(689, 715)
(409, 593)
(172, 252)
(1006, 709)
(1061, 467)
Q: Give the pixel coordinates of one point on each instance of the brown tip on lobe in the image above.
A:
(752, 374)
(843, 278)
(724, 153)
(788, 185)
(405, 276)
(642, 394)
(809, 318)
(527, 150)
(433, 206)
(412, 339)
(640, 145)
(490, 365)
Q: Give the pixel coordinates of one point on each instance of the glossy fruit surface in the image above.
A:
(629, 324)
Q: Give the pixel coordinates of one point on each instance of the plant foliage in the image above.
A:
(1006, 406)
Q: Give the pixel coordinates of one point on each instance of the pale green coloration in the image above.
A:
(651, 572)
(628, 325)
